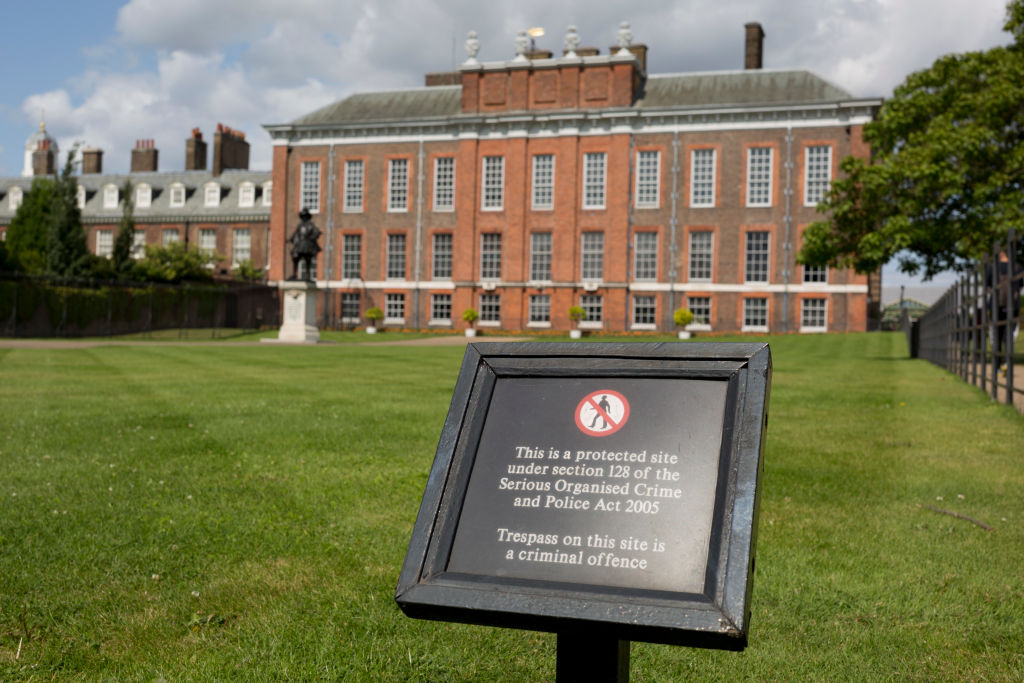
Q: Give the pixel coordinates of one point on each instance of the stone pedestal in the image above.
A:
(298, 298)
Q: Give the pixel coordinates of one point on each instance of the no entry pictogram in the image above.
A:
(602, 412)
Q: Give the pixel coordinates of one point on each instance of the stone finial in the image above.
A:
(522, 45)
(472, 47)
(625, 37)
(572, 41)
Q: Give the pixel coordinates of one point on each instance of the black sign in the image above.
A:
(609, 486)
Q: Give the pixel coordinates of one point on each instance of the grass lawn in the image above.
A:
(225, 512)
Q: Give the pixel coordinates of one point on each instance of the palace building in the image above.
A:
(225, 210)
(523, 187)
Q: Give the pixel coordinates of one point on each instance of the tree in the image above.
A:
(27, 234)
(67, 254)
(947, 179)
(174, 263)
(125, 239)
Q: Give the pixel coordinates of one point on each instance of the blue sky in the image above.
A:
(108, 73)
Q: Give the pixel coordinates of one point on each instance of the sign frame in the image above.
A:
(718, 617)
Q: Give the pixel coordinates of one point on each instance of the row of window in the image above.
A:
(241, 242)
(703, 163)
(813, 311)
(645, 257)
(212, 195)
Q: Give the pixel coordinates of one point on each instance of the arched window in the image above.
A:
(246, 195)
(177, 196)
(111, 196)
(211, 194)
(143, 196)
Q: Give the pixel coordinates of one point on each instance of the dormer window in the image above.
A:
(177, 196)
(110, 197)
(80, 197)
(14, 198)
(143, 196)
(211, 194)
(267, 187)
(246, 195)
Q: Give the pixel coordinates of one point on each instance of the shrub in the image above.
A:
(682, 317)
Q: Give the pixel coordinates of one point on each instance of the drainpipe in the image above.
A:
(788, 222)
(329, 251)
(629, 233)
(419, 239)
(674, 220)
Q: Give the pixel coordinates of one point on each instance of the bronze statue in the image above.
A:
(304, 246)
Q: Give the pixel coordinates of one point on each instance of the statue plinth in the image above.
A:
(298, 299)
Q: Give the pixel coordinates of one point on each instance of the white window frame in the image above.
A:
(645, 258)
(702, 188)
(241, 246)
(111, 196)
(143, 196)
(541, 255)
(817, 177)
(211, 195)
(349, 297)
(490, 310)
(169, 236)
(648, 179)
(393, 304)
(206, 236)
(396, 257)
(15, 196)
(634, 309)
(699, 325)
(539, 310)
(351, 256)
(751, 257)
(591, 253)
(268, 192)
(355, 184)
(815, 275)
(176, 196)
(105, 243)
(138, 244)
(438, 304)
(398, 185)
(80, 197)
(696, 251)
(492, 180)
(591, 303)
(309, 186)
(246, 195)
(759, 178)
(444, 184)
(809, 318)
(442, 257)
(748, 304)
(490, 258)
(542, 186)
(595, 179)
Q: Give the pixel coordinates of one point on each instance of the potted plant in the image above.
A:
(683, 317)
(576, 314)
(373, 315)
(470, 316)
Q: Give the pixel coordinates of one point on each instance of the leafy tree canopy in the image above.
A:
(174, 263)
(67, 253)
(26, 236)
(122, 255)
(947, 178)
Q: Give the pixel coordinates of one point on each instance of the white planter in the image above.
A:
(575, 334)
(370, 329)
(470, 332)
(683, 334)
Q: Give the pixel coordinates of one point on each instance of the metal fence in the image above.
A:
(972, 329)
(39, 306)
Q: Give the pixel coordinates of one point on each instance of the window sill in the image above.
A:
(591, 325)
(643, 326)
(754, 328)
(394, 321)
(489, 323)
(440, 322)
(539, 324)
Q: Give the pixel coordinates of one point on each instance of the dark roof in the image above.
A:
(712, 89)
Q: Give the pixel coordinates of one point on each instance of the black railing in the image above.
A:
(971, 330)
(41, 306)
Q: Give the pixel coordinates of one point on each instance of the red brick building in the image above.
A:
(539, 183)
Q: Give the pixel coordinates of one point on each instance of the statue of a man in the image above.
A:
(304, 246)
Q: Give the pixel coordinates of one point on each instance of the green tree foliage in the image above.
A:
(67, 254)
(26, 236)
(947, 178)
(174, 263)
(247, 271)
(125, 239)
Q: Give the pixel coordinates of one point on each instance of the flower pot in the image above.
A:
(683, 334)
(575, 334)
(470, 332)
(370, 329)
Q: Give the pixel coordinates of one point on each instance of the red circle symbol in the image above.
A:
(602, 412)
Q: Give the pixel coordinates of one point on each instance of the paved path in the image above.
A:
(440, 340)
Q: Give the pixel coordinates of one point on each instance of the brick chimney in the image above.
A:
(436, 78)
(755, 46)
(195, 152)
(144, 156)
(92, 160)
(230, 150)
(42, 159)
